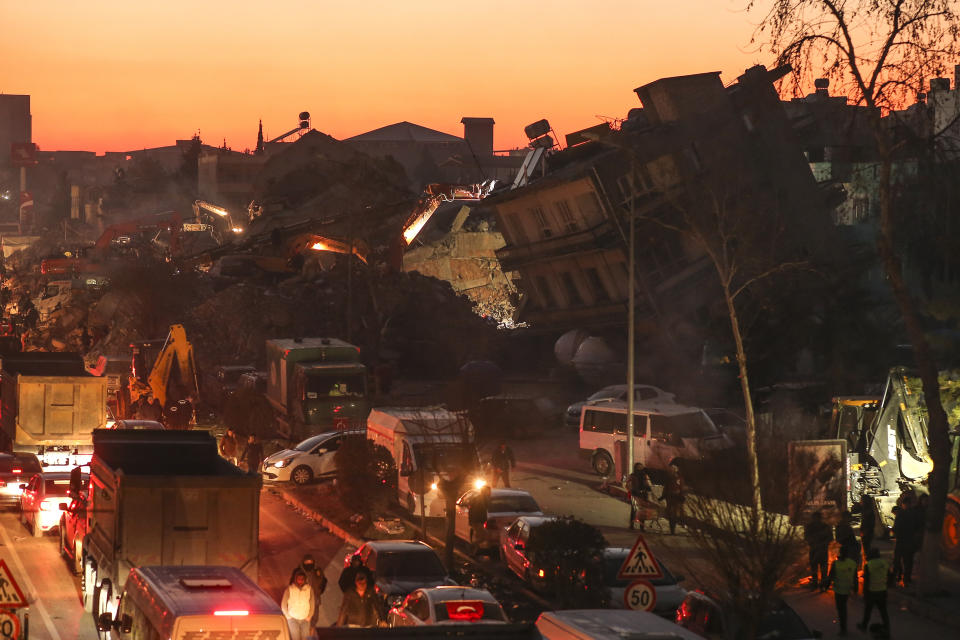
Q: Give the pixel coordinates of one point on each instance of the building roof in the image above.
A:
(404, 132)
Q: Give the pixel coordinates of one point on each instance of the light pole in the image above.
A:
(630, 327)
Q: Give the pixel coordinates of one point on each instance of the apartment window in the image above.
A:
(567, 220)
(596, 285)
(541, 219)
(573, 295)
(543, 288)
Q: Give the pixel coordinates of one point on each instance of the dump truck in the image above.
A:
(424, 443)
(49, 406)
(315, 385)
(157, 497)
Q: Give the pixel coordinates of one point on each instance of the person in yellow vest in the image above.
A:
(844, 578)
(875, 574)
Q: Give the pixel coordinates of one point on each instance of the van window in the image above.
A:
(604, 422)
(684, 425)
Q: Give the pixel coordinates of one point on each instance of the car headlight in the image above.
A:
(479, 483)
(279, 464)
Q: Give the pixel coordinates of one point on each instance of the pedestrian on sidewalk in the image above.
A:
(318, 583)
(253, 455)
(229, 446)
(843, 576)
(818, 535)
(297, 605)
(875, 576)
(639, 486)
(674, 495)
(502, 461)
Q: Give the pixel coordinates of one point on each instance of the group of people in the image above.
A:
(301, 600)
(251, 455)
(640, 491)
(878, 572)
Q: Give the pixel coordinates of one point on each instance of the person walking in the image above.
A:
(360, 607)
(639, 494)
(818, 535)
(318, 583)
(502, 461)
(297, 605)
(253, 454)
(875, 589)
(349, 574)
(843, 576)
(229, 446)
(674, 496)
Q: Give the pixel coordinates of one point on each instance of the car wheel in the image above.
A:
(602, 463)
(301, 475)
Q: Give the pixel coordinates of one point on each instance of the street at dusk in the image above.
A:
(527, 321)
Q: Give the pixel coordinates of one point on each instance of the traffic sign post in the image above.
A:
(640, 595)
(639, 563)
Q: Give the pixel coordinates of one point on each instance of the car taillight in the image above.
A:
(231, 612)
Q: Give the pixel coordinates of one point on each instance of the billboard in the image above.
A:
(817, 479)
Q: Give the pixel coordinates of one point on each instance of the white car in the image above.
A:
(617, 393)
(312, 458)
(447, 605)
(506, 505)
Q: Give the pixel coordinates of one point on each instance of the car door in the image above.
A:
(511, 556)
(29, 500)
(321, 458)
(642, 448)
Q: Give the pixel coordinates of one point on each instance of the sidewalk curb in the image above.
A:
(326, 523)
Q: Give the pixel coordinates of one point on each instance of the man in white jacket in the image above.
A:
(297, 605)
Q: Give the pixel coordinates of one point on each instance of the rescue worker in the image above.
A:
(360, 607)
(229, 446)
(502, 461)
(639, 494)
(875, 574)
(349, 574)
(905, 546)
(673, 495)
(843, 576)
(297, 605)
(253, 454)
(317, 582)
(818, 535)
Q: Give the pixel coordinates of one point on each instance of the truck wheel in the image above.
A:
(302, 475)
(602, 463)
(101, 598)
(951, 531)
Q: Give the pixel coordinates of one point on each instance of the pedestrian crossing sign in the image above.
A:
(640, 563)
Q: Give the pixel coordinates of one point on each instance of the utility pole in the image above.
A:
(630, 326)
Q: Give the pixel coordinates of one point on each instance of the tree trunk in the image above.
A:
(756, 501)
(938, 432)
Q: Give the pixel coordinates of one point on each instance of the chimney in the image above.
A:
(822, 86)
(478, 132)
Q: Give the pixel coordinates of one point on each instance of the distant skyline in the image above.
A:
(112, 75)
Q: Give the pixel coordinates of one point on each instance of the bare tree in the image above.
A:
(880, 52)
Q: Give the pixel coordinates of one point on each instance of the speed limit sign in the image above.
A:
(640, 596)
(9, 625)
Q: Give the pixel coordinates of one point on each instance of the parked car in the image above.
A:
(16, 469)
(642, 393)
(513, 549)
(505, 506)
(669, 593)
(73, 520)
(41, 499)
(447, 605)
(703, 615)
(312, 458)
(400, 566)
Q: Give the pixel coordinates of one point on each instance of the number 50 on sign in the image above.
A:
(640, 596)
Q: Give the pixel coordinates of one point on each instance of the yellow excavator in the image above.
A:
(165, 368)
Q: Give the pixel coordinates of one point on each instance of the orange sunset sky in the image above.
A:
(112, 75)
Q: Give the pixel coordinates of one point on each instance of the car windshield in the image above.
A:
(513, 504)
(415, 564)
(607, 392)
(611, 567)
(695, 424)
(28, 465)
(331, 385)
(310, 443)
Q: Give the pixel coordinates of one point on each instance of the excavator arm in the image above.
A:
(174, 364)
(435, 195)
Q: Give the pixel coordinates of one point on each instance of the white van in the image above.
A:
(616, 624)
(662, 433)
(193, 603)
(424, 441)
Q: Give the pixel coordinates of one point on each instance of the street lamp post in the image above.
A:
(630, 332)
